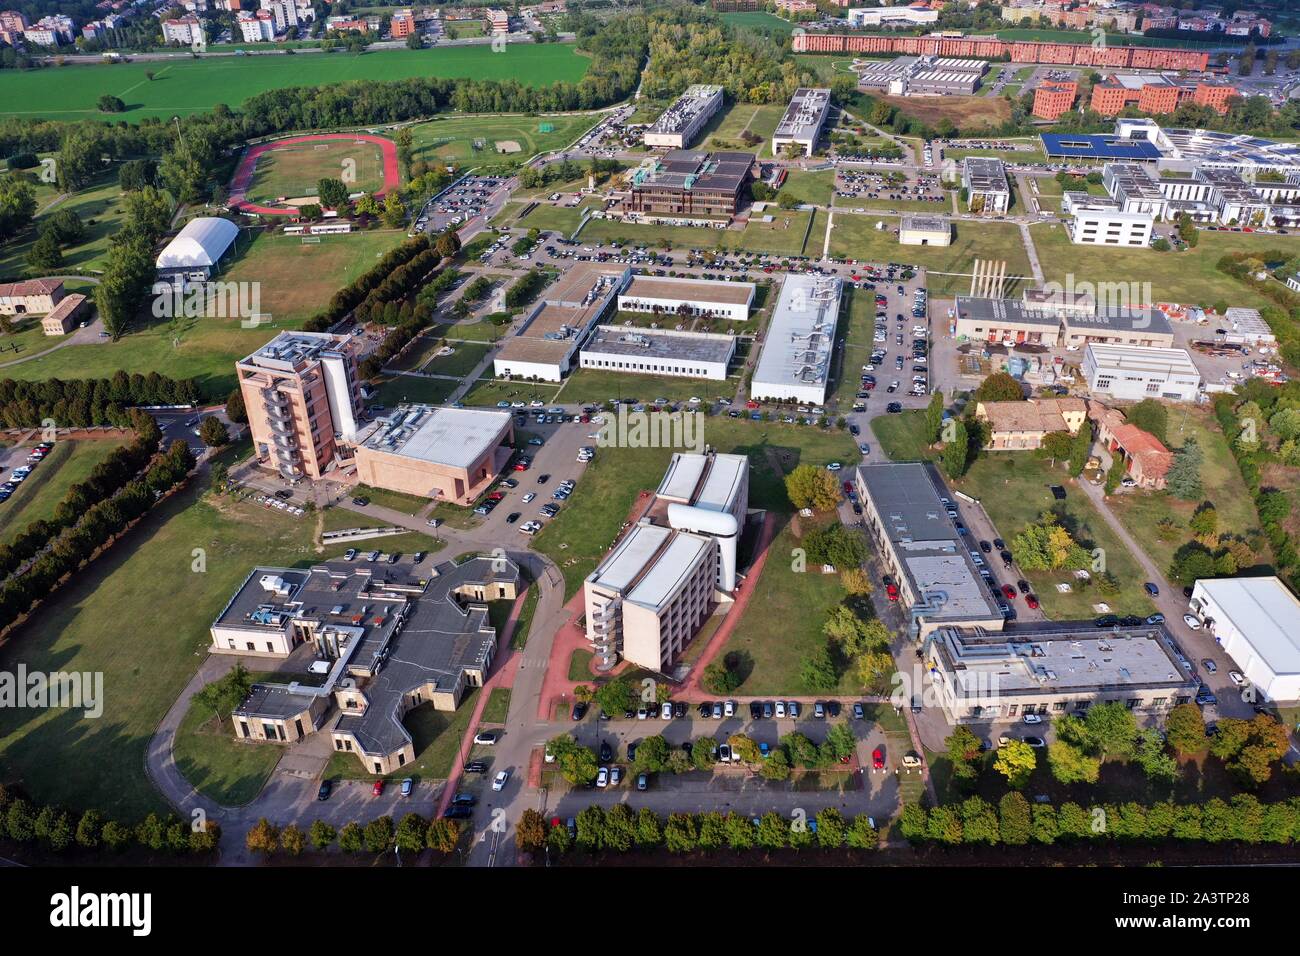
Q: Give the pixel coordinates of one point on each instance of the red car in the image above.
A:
(892, 591)
(495, 496)
(1008, 592)
(377, 789)
(848, 487)
(878, 759)
(1031, 601)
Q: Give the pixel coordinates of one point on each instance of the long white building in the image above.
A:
(688, 298)
(1257, 620)
(677, 126)
(803, 120)
(1136, 372)
(795, 363)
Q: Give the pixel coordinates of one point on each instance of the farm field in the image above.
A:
(855, 237)
(295, 170)
(100, 208)
(451, 139)
(967, 112)
(758, 18)
(188, 85)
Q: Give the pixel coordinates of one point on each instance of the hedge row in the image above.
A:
(412, 834)
(352, 295)
(1016, 822)
(54, 829)
(78, 403)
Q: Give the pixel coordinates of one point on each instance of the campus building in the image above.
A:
(303, 401)
(30, 297)
(448, 454)
(1051, 318)
(794, 365)
(62, 319)
(663, 578)
(909, 16)
(803, 121)
(683, 187)
(384, 638)
(917, 230)
(922, 76)
(1054, 669)
(1206, 194)
(1158, 94)
(1146, 459)
(936, 576)
(677, 126)
(1099, 224)
(546, 347)
(614, 348)
(1257, 621)
(985, 181)
(1054, 98)
(685, 298)
(1133, 373)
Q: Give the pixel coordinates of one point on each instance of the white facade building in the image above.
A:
(694, 298)
(1138, 372)
(795, 363)
(678, 125)
(615, 348)
(1097, 225)
(803, 120)
(1257, 620)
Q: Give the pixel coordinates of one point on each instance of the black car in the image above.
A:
(999, 543)
(833, 708)
(705, 709)
(986, 547)
(854, 430)
(360, 502)
(512, 517)
(894, 408)
(543, 479)
(1024, 586)
(1131, 620)
(476, 766)
(631, 753)
(1106, 620)
(326, 787)
(464, 800)
(686, 748)
(755, 710)
(579, 710)
(679, 709)
(606, 752)
(458, 813)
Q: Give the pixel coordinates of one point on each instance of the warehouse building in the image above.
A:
(1053, 670)
(803, 121)
(677, 126)
(925, 231)
(985, 182)
(194, 253)
(546, 348)
(795, 362)
(1134, 373)
(1247, 327)
(687, 298)
(920, 549)
(922, 76)
(1257, 621)
(448, 454)
(659, 352)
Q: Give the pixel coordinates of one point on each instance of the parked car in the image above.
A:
(1036, 742)
(1032, 719)
(911, 759)
(878, 759)
(326, 788)
(486, 739)
(1192, 621)
(1210, 666)
(1236, 677)
(377, 789)
(499, 781)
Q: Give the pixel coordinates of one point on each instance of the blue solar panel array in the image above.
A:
(1098, 146)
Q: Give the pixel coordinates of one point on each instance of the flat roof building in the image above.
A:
(937, 579)
(1101, 225)
(661, 580)
(687, 298)
(985, 182)
(1054, 669)
(794, 365)
(447, 454)
(1049, 317)
(303, 400)
(803, 120)
(546, 348)
(922, 76)
(392, 636)
(1257, 620)
(615, 348)
(917, 230)
(680, 123)
(1130, 372)
(689, 187)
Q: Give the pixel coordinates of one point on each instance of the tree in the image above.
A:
(1000, 387)
(956, 452)
(1184, 477)
(577, 764)
(235, 409)
(89, 828)
(835, 545)
(378, 834)
(1115, 473)
(651, 755)
(811, 487)
(1156, 762)
(45, 254)
(333, 193)
(447, 244)
(1111, 730)
(818, 670)
(351, 838)
(964, 752)
(1204, 522)
(616, 697)
(1016, 761)
(934, 417)
(443, 835)
(1186, 730)
(108, 103)
(394, 213)
(1152, 416)
(1069, 764)
(17, 204)
(213, 432)
(862, 835)
(1192, 561)
(776, 767)
(410, 835)
(292, 840)
(530, 833)
(1014, 824)
(321, 834)
(719, 678)
(263, 837)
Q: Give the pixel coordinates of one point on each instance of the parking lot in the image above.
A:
(461, 202)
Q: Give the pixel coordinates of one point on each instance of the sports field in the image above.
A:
(480, 139)
(293, 170)
(186, 85)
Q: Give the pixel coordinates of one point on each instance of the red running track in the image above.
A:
(248, 163)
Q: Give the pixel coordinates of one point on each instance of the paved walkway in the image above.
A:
(1032, 253)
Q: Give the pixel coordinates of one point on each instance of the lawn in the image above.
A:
(594, 385)
(295, 281)
(497, 706)
(549, 217)
(140, 615)
(967, 112)
(1186, 277)
(452, 138)
(184, 85)
(1142, 511)
(479, 331)
(396, 500)
(724, 130)
(37, 497)
(811, 187)
(586, 526)
(489, 391)
(414, 388)
(856, 237)
(295, 169)
(436, 735)
(465, 357)
(227, 770)
(100, 208)
(901, 436)
(26, 339)
(759, 19)
(1024, 152)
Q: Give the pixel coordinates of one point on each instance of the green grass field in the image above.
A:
(857, 347)
(816, 188)
(551, 218)
(295, 170)
(229, 771)
(758, 18)
(451, 139)
(1083, 36)
(37, 497)
(594, 385)
(725, 128)
(100, 209)
(785, 235)
(855, 237)
(413, 388)
(185, 85)
(28, 338)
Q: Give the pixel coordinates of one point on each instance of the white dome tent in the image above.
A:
(195, 251)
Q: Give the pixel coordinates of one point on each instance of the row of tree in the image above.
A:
(359, 289)
(82, 402)
(413, 834)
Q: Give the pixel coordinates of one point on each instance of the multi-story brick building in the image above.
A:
(1054, 98)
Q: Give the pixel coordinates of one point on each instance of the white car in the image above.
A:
(834, 466)
(1032, 719)
(529, 497)
(1192, 621)
(499, 781)
(780, 708)
(1236, 677)
(602, 777)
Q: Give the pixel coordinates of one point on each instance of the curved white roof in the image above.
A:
(201, 243)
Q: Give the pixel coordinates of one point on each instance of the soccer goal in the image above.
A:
(311, 240)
